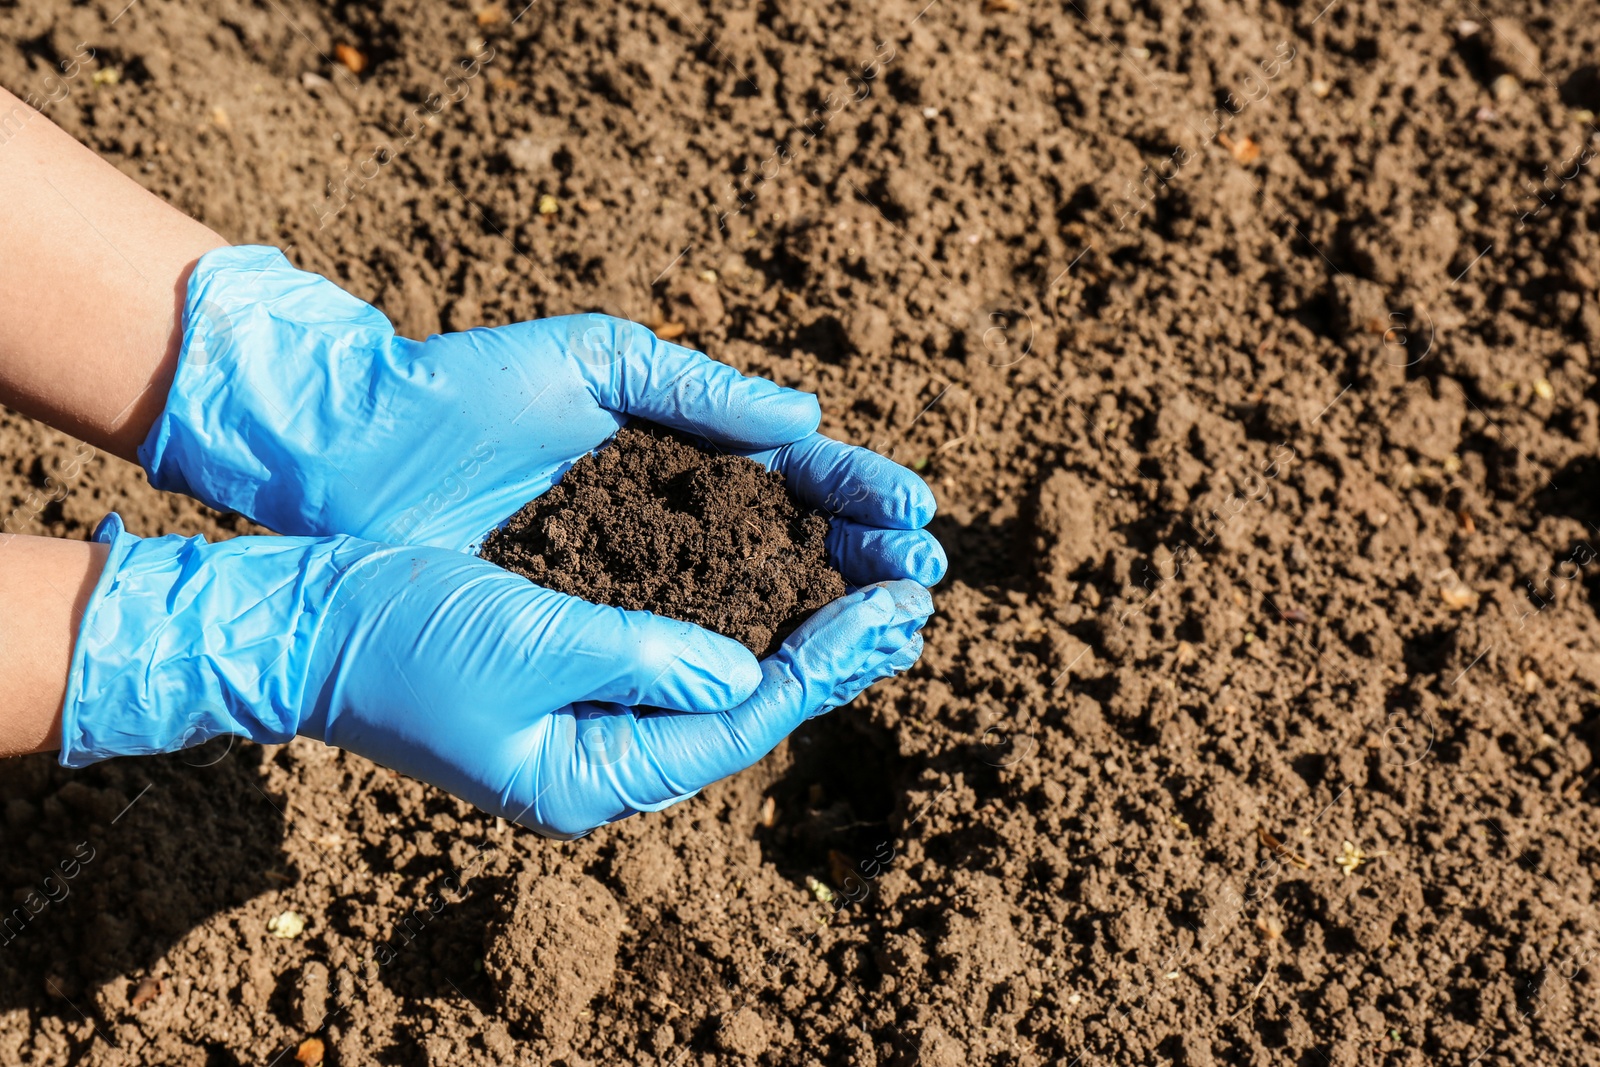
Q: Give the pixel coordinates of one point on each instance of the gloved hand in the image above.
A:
(295, 404)
(447, 668)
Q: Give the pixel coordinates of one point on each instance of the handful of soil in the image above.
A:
(653, 523)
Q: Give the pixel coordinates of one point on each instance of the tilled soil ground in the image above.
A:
(1250, 349)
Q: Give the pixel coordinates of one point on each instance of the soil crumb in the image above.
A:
(653, 523)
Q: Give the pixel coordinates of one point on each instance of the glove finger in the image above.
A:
(593, 652)
(899, 663)
(854, 482)
(867, 554)
(884, 667)
(633, 372)
(836, 654)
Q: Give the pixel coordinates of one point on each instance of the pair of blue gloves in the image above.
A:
(373, 626)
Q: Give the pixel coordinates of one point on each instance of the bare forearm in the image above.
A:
(92, 272)
(45, 584)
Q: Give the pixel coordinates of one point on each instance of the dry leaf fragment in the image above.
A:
(310, 1051)
(1279, 849)
(147, 990)
(841, 869)
(353, 58)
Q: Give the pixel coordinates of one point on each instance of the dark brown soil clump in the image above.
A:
(652, 523)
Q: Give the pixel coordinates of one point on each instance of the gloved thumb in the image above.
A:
(598, 653)
(833, 656)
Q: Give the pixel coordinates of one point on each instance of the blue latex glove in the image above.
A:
(295, 404)
(452, 670)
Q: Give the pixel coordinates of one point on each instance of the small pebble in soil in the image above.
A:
(653, 523)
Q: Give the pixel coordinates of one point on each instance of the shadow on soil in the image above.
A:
(102, 870)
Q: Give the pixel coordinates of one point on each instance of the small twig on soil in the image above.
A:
(1251, 999)
(1576, 791)
(1282, 851)
(972, 425)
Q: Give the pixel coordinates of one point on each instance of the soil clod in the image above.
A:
(653, 523)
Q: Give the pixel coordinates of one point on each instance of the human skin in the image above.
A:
(93, 269)
(45, 584)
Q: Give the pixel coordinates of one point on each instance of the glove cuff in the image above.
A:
(182, 641)
(269, 355)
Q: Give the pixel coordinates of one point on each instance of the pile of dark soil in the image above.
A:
(652, 523)
(1252, 350)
